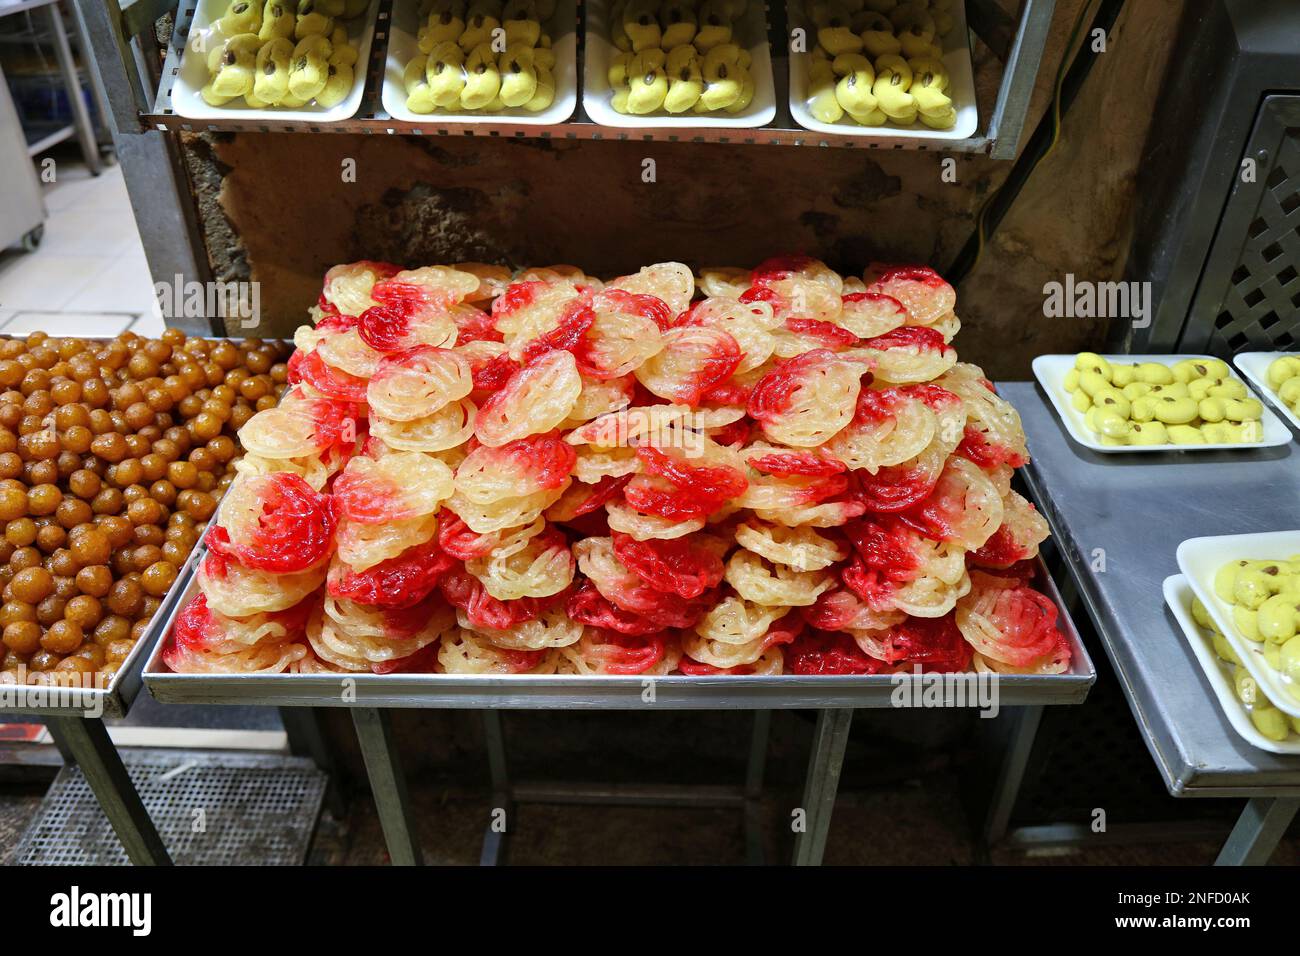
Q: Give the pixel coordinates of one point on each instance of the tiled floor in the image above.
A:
(89, 275)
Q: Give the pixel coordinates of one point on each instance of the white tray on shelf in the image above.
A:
(961, 87)
(1254, 365)
(1178, 595)
(188, 101)
(1050, 370)
(597, 93)
(403, 46)
(1200, 558)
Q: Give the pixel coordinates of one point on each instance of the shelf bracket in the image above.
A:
(1022, 63)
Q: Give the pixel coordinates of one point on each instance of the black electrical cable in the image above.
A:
(1040, 143)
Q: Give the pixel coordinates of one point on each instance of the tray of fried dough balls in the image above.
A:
(113, 456)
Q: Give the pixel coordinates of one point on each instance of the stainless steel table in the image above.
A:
(1118, 520)
(370, 697)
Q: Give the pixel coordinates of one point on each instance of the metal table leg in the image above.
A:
(497, 831)
(388, 785)
(1011, 773)
(68, 67)
(307, 738)
(754, 768)
(86, 739)
(1259, 828)
(821, 784)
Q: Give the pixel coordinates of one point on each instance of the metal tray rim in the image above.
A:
(608, 692)
(115, 699)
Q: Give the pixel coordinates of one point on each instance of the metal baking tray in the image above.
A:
(115, 699)
(573, 692)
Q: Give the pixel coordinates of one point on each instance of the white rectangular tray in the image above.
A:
(1200, 558)
(1050, 370)
(1178, 595)
(961, 86)
(187, 100)
(403, 46)
(1254, 365)
(597, 94)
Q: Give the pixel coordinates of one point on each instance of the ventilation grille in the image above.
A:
(210, 809)
(1261, 296)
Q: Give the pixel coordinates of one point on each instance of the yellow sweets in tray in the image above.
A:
(1195, 401)
(879, 62)
(484, 57)
(281, 53)
(1264, 596)
(679, 56)
(1264, 714)
(1284, 379)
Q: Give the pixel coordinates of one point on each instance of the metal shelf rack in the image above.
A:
(137, 75)
(371, 697)
(137, 83)
(998, 137)
(81, 125)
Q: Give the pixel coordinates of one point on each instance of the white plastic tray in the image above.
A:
(1178, 595)
(597, 95)
(187, 100)
(961, 87)
(1050, 370)
(403, 47)
(1254, 365)
(1200, 558)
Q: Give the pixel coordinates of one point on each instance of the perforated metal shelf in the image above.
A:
(210, 809)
